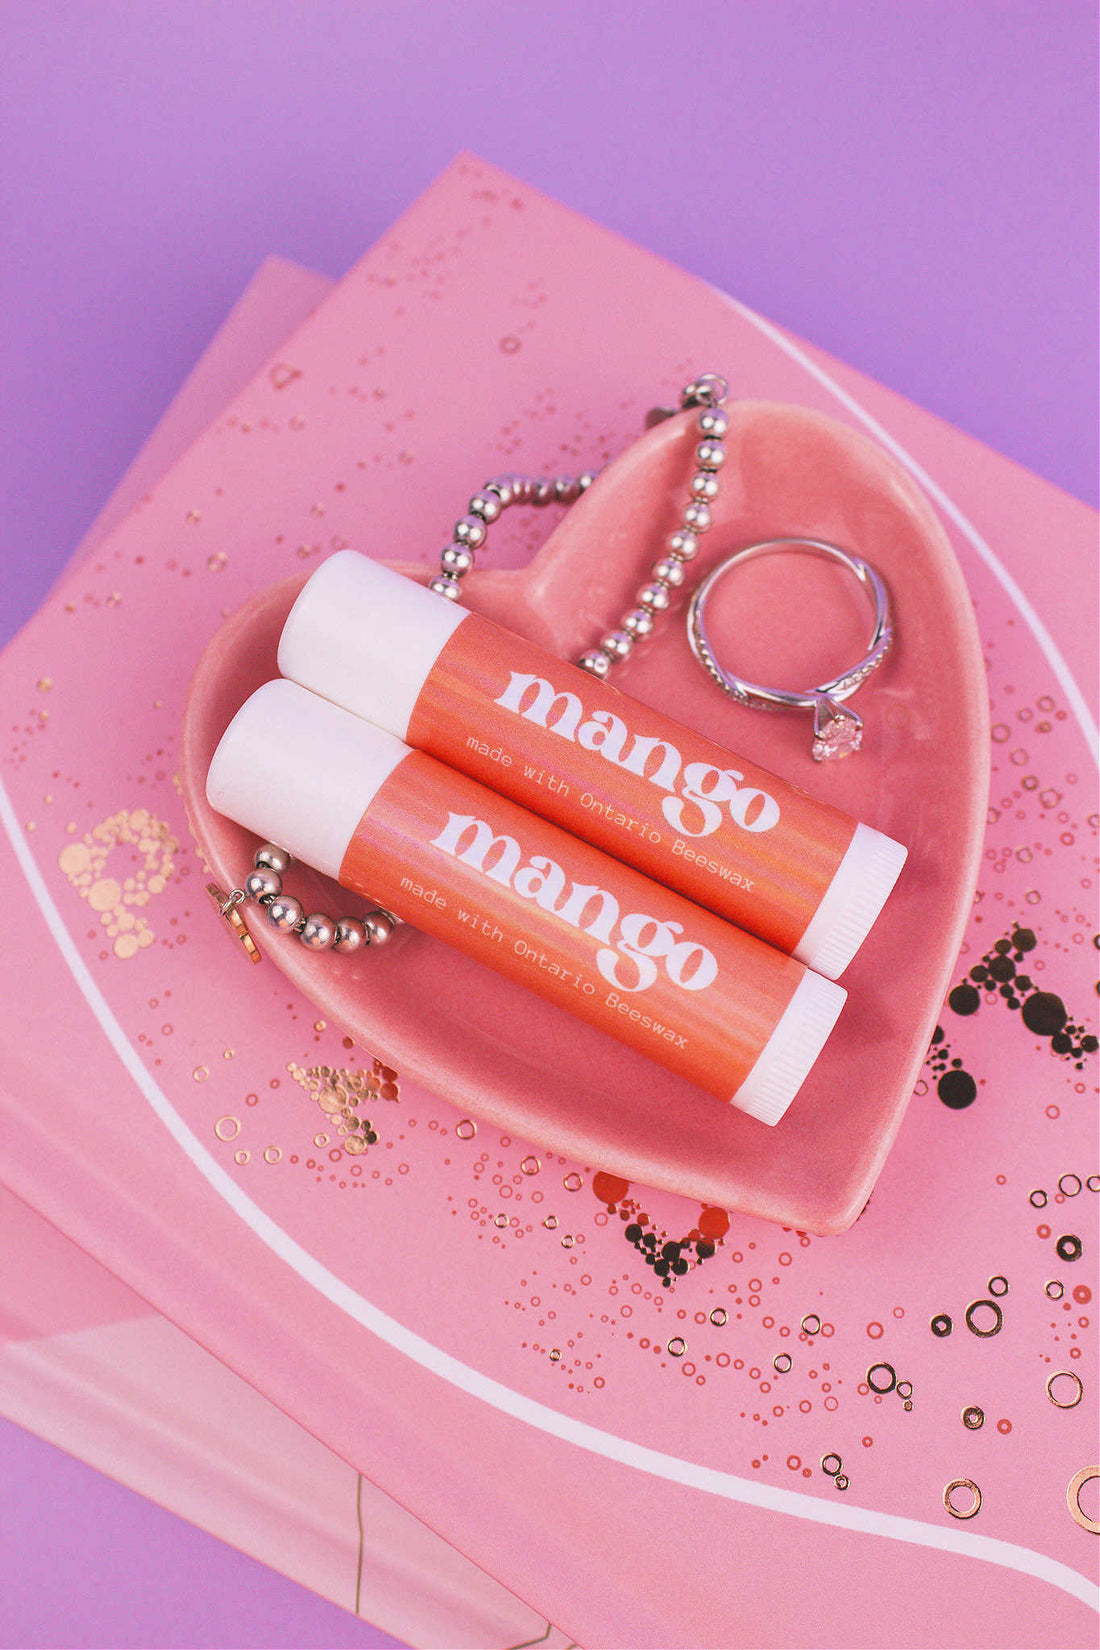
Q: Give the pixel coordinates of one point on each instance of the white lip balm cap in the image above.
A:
(784, 1063)
(300, 772)
(860, 887)
(366, 638)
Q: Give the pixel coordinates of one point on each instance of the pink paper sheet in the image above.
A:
(406, 1328)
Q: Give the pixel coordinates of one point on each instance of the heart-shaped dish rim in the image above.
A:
(500, 1053)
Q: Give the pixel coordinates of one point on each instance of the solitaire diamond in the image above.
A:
(837, 731)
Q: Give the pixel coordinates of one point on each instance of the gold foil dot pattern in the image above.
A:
(119, 903)
(340, 1093)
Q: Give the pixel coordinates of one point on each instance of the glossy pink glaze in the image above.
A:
(501, 1053)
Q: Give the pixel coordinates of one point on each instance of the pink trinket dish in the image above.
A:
(500, 1053)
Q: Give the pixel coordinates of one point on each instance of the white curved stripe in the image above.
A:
(1048, 646)
(472, 1381)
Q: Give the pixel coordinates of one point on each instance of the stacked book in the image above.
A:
(322, 1307)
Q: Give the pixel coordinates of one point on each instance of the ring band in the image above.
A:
(837, 730)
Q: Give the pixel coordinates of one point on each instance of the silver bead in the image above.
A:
(485, 505)
(444, 585)
(708, 389)
(704, 486)
(456, 560)
(523, 489)
(471, 530)
(501, 487)
(318, 932)
(544, 492)
(696, 516)
(683, 545)
(350, 936)
(378, 926)
(654, 596)
(271, 858)
(565, 489)
(714, 422)
(285, 912)
(710, 455)
(596, 663)
(585, 480)
(617, 644)
(638, 623)
(263, 884)
(669, 571)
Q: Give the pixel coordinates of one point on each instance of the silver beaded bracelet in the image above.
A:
(264, 884)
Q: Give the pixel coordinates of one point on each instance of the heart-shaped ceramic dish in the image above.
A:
(500, 1053)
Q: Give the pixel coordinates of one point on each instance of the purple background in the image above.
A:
(908, 183)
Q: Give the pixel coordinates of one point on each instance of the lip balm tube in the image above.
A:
(590, 934)
(731, 836)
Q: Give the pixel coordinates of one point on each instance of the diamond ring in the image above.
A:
(838, 731)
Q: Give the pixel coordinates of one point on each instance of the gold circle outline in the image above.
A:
(1070, 1375)
(962, 1484)
(984, 1334)
(1073, 1498)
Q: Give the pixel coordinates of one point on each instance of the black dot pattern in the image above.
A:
(1000, 977)
(669, 1258)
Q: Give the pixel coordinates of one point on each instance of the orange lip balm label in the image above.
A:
(636, 784)
(720, 829)
(583, 930)
(461, 863)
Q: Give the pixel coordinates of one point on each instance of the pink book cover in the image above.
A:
(90, 1366)
(483, 1342)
